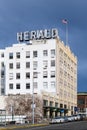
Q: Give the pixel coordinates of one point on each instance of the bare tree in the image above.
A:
(22, 105)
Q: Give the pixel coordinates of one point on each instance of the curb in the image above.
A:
(23, 126)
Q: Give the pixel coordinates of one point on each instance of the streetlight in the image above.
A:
(33, 103)
(12, 112)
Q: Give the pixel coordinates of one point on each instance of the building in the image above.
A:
(82, 102)
(45, 64)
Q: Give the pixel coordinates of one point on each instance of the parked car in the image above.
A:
(82, 116)
(57, 120)
(70, 118)
(65, 118)
(76, 117)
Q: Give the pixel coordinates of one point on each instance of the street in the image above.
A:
(81, 125)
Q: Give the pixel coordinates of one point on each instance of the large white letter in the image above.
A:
(47, 33)
(26, 36)
(40, 34)
(33, 35)
(54, 33)
(20, 37)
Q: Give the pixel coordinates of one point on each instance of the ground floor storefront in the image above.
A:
(53, 106)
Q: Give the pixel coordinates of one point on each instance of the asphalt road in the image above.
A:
(81, 125)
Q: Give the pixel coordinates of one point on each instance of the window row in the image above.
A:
(35, 85)
(35, 75)
(35, 54)
(35, 64)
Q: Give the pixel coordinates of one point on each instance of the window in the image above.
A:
(2, 54)
(2, 82)
(53, 84)
(11, 55)
(18, 65)
(2, 73)
(35, 75)
(45, 85)
(45, 64)
(2, 91)
(10, 65)
(52, 63)
(17, 75)
(81, 101)
(35, 85)
(27, 85)
(51, 103)
(11, 86)
(18, 86)
(18, 55)
(27, 54)
(27, 64)
(61, 105)
(45, 74)
(10, 76)
(45, 102)
(34, 53)
(52, 74)
(52, 52)
(45, 53)
(28, 75)
(35, 64)
(56, 104)
(2, 64)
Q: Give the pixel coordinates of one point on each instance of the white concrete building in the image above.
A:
(46, 65)
(27, 65)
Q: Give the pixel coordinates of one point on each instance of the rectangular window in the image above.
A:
(45, 53)
(11, 86)
(35, 75)
(27, 85)
(52, 74)
(18, 65)
(17, 75)
(2, 82)
(27, 54)
(2, 55)
(52, 52)
(35, 64)
(81, 101)
(2, 64)
(45, 84)
(45, 74)
(51, 103)
(10, 65)
(2, 74)
(11, 55)
(53, 84)
(10, 76)
(28, 75)
(2, 91)
(45, 64)
(61, 105)
(52, 63)
(18, 86)
(34, 53)
(18, 55)
(45, 102)
(35, 85)
(27, 64)
(56, 104)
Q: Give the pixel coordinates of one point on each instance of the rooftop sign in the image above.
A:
(36, 35)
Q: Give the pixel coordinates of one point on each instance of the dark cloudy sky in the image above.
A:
(25, 15)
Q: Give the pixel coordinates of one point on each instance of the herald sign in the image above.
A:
(37, 35)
